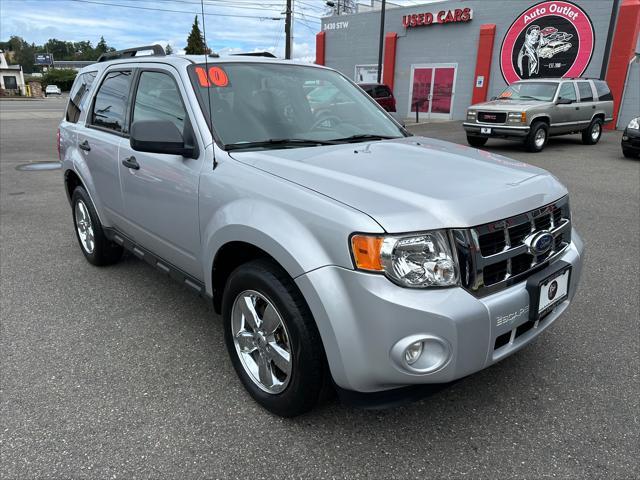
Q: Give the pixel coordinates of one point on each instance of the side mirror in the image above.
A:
(159, 136)
(564, 101)
(493, 98)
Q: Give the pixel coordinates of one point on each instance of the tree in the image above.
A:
(195, 41)
(62, 77)
(168, 49)
(101, 47)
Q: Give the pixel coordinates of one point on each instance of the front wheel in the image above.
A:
(272, 339)
(476, 141)
(592, 134)
(537, 138)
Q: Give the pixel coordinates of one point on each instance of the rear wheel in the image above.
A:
(476, 141)
(95, 246)
(537, 138)
(593, 132)
(272, 339)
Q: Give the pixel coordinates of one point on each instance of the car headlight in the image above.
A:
(635, 124)
(417, 261)
(471, 115)
(517, 117)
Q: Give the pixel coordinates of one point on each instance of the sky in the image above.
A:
(124, 26)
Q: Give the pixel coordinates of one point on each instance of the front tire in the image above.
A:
(476, 141)
(95, 246)
(593, 132)
(537, 138)
(272, 339)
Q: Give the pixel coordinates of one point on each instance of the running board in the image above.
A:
(155, 261)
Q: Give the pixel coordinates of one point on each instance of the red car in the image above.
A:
(381, 94)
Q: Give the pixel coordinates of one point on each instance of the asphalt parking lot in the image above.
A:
(120, 373)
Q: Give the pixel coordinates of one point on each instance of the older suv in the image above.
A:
(339, 249)
(534, 110)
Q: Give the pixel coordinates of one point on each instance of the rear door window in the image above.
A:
(567, 91)
(110, 105)
(586, 94)
(158, 98)
(78, 95)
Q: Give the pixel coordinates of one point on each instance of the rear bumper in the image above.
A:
(363, 317)
(498, 131)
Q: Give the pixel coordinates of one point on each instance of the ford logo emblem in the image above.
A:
(540, 242)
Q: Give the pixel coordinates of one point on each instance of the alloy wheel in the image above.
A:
(261, 341)
(84, 226)
(596, 130)
(540, 138)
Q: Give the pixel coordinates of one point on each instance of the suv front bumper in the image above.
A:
(500, 131)
(362, 316)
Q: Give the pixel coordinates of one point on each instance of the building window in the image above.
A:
(10, 82)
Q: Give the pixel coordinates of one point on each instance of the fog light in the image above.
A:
(413, 352)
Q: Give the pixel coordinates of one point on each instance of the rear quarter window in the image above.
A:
(79, 95)
(602, 90)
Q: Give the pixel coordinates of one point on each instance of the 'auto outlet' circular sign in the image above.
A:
(550, 39)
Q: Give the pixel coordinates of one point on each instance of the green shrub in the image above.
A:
(63, 78)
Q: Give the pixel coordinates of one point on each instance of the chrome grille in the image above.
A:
(494, 256)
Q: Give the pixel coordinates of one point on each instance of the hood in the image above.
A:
(414, 183)
(508, 105)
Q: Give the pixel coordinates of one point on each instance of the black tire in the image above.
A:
(594, 128)
(104, 252)
(530, 142)
(476, 141)
(630, 153)
(308, 377)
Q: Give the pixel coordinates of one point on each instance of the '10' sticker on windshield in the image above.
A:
(216, 77)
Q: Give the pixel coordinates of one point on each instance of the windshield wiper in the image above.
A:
(528, 96)
(276, 142)
(363, 136)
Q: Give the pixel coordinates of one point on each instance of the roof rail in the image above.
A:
(255, 54)
(158, 51)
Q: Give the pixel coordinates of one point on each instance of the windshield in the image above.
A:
(252, 103)
(544, 91)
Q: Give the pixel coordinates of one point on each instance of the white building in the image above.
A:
(11, 77)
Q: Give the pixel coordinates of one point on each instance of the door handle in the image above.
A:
(85, 146)
(131, 162)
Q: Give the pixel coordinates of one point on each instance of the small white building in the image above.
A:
(11, 77)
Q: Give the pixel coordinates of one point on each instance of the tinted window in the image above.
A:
(109, 109)
(78, 95)
(586, 95)
(158, 98)
(382, 91)
(567, 91)
(602, 89)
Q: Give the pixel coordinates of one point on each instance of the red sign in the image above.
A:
(443, 16)
(550, 39)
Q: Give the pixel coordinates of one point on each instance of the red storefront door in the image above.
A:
(432, 90)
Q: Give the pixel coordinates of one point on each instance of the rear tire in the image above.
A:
(537, 137)
(291, 388)
(476, 141)
(95, 246)
(591, 135)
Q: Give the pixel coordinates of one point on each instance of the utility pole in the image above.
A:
(384, 4)
(287, 30)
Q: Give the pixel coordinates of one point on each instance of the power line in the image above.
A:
(173, 11)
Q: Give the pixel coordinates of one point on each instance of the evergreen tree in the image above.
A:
(168, 49)
(102, 47)
(195, 41)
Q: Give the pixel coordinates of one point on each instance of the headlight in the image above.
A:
(634, 124)
(417, 261)
(471, 115)
(517, 117)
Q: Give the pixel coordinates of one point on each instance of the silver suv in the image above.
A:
(340, 250)
(534, 110)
